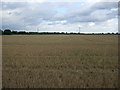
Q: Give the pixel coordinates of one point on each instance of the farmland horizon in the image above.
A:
(59, 43)
(51, 32)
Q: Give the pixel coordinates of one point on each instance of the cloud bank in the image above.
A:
(60, 16)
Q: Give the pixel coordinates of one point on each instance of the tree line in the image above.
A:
(10, 32)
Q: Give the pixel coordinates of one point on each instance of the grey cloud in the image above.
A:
(97, 13)
(13, 5)
(36, 13)
(105, 5)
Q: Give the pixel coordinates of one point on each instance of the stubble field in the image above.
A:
(60, 61)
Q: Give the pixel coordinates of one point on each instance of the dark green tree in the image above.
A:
(7, 32)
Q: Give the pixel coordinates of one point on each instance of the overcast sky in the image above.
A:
(60, 16)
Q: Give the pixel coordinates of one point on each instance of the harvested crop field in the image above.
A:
(60, 61)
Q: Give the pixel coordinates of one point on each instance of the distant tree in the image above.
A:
(116, 33)
(32, 33)
(62, 33)
(102, 33)
(71, 32)
(22, 32)
(7, 32)
(14, 32)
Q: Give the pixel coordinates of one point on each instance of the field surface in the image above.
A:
(60, 61)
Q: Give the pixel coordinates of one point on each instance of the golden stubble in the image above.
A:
(60, 61)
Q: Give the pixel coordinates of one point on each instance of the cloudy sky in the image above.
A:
(61, 16)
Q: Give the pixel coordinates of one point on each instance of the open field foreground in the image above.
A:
(60, 61)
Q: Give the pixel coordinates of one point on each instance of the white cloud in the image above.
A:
(91, 24)
(114, 9)
(109, 21)
(63, 22)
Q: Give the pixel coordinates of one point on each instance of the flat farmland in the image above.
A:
(60, 61)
